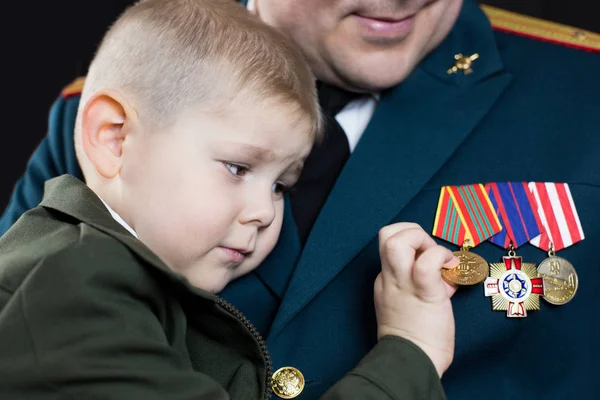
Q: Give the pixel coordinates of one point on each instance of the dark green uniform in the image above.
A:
(88, 312)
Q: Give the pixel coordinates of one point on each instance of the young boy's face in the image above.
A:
(207, 194)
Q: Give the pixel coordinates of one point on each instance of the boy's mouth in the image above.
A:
(235, 255)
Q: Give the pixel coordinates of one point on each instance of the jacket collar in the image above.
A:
(70, 196)
(472, 33)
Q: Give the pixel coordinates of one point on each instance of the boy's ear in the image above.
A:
(106, 118)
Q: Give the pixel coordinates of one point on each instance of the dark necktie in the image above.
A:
(324, 163)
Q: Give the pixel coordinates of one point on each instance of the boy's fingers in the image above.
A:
(390, 230)
(400, 251)
(450, 289)
(427, 270)
(452, 263)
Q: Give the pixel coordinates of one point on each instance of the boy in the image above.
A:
(194, 120)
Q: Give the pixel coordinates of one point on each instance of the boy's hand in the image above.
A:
(411, 298)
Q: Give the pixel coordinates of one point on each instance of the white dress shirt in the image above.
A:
(120, 220)
(353, 118)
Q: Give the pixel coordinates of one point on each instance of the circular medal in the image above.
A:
(473, 269)
(560, 280)
(515, 286)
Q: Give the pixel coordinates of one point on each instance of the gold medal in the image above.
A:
(473, 269)
(465, 217)
(562, 228)
(560, 279)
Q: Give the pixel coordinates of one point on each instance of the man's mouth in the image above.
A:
(385, 27)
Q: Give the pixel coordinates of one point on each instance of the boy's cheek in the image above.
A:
(267, 239)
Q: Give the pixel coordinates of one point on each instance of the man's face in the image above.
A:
(206, 194)
(363, 45)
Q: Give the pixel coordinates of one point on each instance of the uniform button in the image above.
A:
(288, 382)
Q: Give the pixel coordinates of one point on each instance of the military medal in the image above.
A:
(562, 228)
(471, 270)
(465, 217)
(560, 279)
(514, 286)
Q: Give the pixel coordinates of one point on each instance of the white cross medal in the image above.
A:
(514, 286)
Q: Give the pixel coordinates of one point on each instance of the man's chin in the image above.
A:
(374, 77)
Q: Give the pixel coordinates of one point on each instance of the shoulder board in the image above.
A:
(536, 28)
(74, 88)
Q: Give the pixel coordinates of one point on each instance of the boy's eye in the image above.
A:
(280, 189)
(236, 169)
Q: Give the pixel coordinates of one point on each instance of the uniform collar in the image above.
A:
(472, 33)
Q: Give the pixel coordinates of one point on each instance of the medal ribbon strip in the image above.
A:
(558, 215)
(448, 225)
(465, 212)
(517, 209)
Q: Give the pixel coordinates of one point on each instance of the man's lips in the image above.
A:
(384, 26)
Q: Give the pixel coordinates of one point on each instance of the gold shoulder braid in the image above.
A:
(536, 28)
(74, 88)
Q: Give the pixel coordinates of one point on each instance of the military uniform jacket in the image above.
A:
(528, 112)
(88, 312)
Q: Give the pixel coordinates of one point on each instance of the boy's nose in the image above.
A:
(259, 209)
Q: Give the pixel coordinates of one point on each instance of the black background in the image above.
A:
(46, 44)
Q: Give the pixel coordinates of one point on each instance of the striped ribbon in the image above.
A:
(465, 212)
(517, 209)
(558, 215)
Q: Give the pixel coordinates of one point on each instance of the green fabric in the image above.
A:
(88, 312)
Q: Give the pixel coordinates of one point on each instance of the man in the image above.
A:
(512, 108)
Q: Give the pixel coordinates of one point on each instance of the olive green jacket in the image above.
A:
(88, 312)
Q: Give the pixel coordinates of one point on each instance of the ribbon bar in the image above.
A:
(558, 215)
(465, 212)
(517, 209)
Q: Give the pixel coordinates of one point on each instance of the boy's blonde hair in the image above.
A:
(170, 54)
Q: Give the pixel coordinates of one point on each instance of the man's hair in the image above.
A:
(171, 54)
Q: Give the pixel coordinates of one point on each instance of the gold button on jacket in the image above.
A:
(288, 382)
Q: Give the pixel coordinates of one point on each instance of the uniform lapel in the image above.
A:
(392, 162)
(276, 270)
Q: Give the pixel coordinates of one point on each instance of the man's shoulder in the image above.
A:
(73, 88)
(532, 44)
(64, 112)
(546, 58)
(65, 107)
(536, 29)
